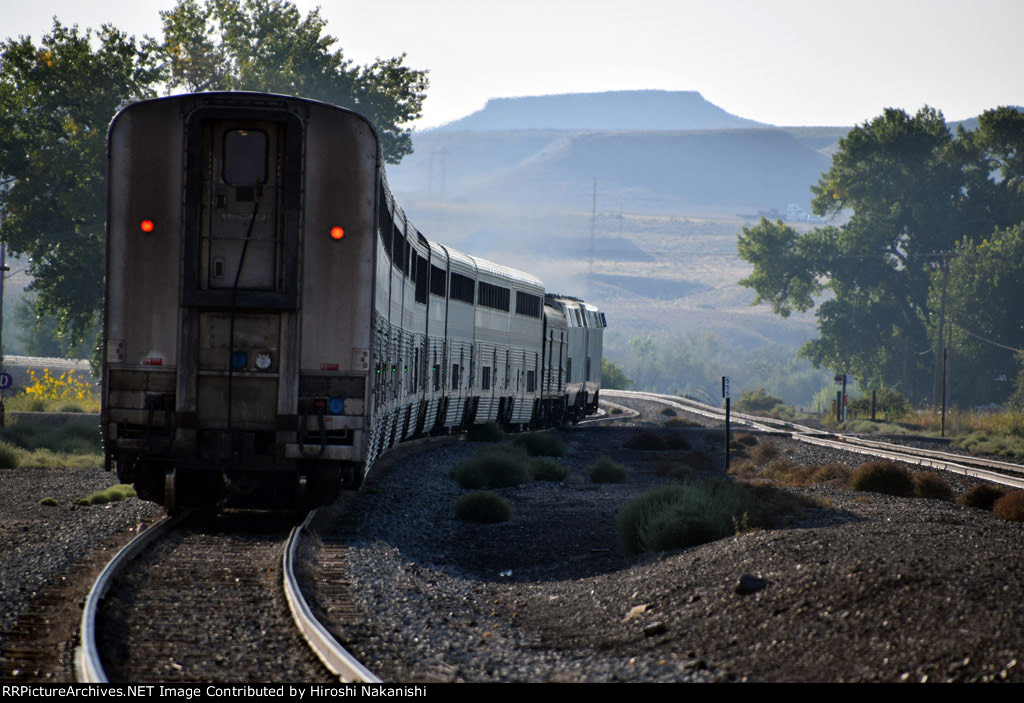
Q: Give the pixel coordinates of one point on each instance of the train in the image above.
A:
(274, 322)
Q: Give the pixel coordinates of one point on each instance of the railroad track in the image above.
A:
(210, 605)
(1005, 473)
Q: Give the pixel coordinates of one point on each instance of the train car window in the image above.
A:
(568, 370)
(462, 287)
(399, 250)
(245, 157)
(531, 381)
(455, 377)
(422, 272)
(485, 381)
(438, 281)
(492, 296)
(527, 304)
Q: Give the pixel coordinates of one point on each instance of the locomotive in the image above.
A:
(274, 322)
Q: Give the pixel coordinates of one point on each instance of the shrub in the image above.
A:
(983, 496)
(541, 444)
(495, 467)
(928, 484)
(778, 469)
(668, 412)
(757, 401)
(108, 495)
(487, 432)
(682, 515)
(51, 502)
(883, 476)
(837, 473)
(743, 468)
(548, 469)
(606, 470)
(646, 442)
(482, 506)
(676, 470)
(764, 453)
(9, 456)
(676, 440)
(746, 439)
(701, 461)
(1010, 507)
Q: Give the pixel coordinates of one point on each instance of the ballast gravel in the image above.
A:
(863, 588)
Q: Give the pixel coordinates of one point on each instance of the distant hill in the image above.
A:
(624, 109)
(725, 170)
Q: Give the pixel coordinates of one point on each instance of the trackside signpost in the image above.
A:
(725, 394)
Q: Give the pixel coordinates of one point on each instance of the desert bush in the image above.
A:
(764, 453)
(668, 412)
(778, 469)
(676, 440)
(683, 515)
(607, 470)
(746, 439)
(983, 496)
(541, 444)
(9, 456)
(49, 502)
(883, 476)
(757, 401)
(548, 469)
(743, 468)
(647, 442)
(928, 484)
(482, 506)
(837, 473)
(674, 469)
(108, 495)
(701, 461)
(494, 467)
(487, 432)
(1010, 507)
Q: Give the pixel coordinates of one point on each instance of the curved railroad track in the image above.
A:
(1005, 473)
(187, 601)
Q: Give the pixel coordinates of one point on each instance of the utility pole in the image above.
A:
(941, 261)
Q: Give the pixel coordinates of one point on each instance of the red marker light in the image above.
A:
(146, 225)
(337, 233)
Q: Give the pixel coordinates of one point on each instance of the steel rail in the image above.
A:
(88, 667)
(337, 660)
(955, 463)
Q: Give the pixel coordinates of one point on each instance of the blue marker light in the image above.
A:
(239, 359)
(335, 406)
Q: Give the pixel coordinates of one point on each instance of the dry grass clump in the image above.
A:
(607, 470)
(494, 467)
(1010, 507)
(701, 460)
(983, 496)
(541, 444)
(483, 506)
(837, 474)
(883, 476)
(668, 412)
(49, 502)
(646, 442)
(683, 515)
(545, 468)
(761, 454)
(108, 495)
(746, 439)
(928, 484)
(674, 469)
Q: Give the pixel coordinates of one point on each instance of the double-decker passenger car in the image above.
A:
(274, 322)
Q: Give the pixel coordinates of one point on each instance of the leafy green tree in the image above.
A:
(56, 100)
(267, 46)
(913, 190)
(613, 377)
(984, 315)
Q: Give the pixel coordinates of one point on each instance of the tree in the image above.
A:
(913, 190)
(266, 45)
(56, 100)
(612, 376)
(984, 315)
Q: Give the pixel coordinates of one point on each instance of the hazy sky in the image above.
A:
(785, 62)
